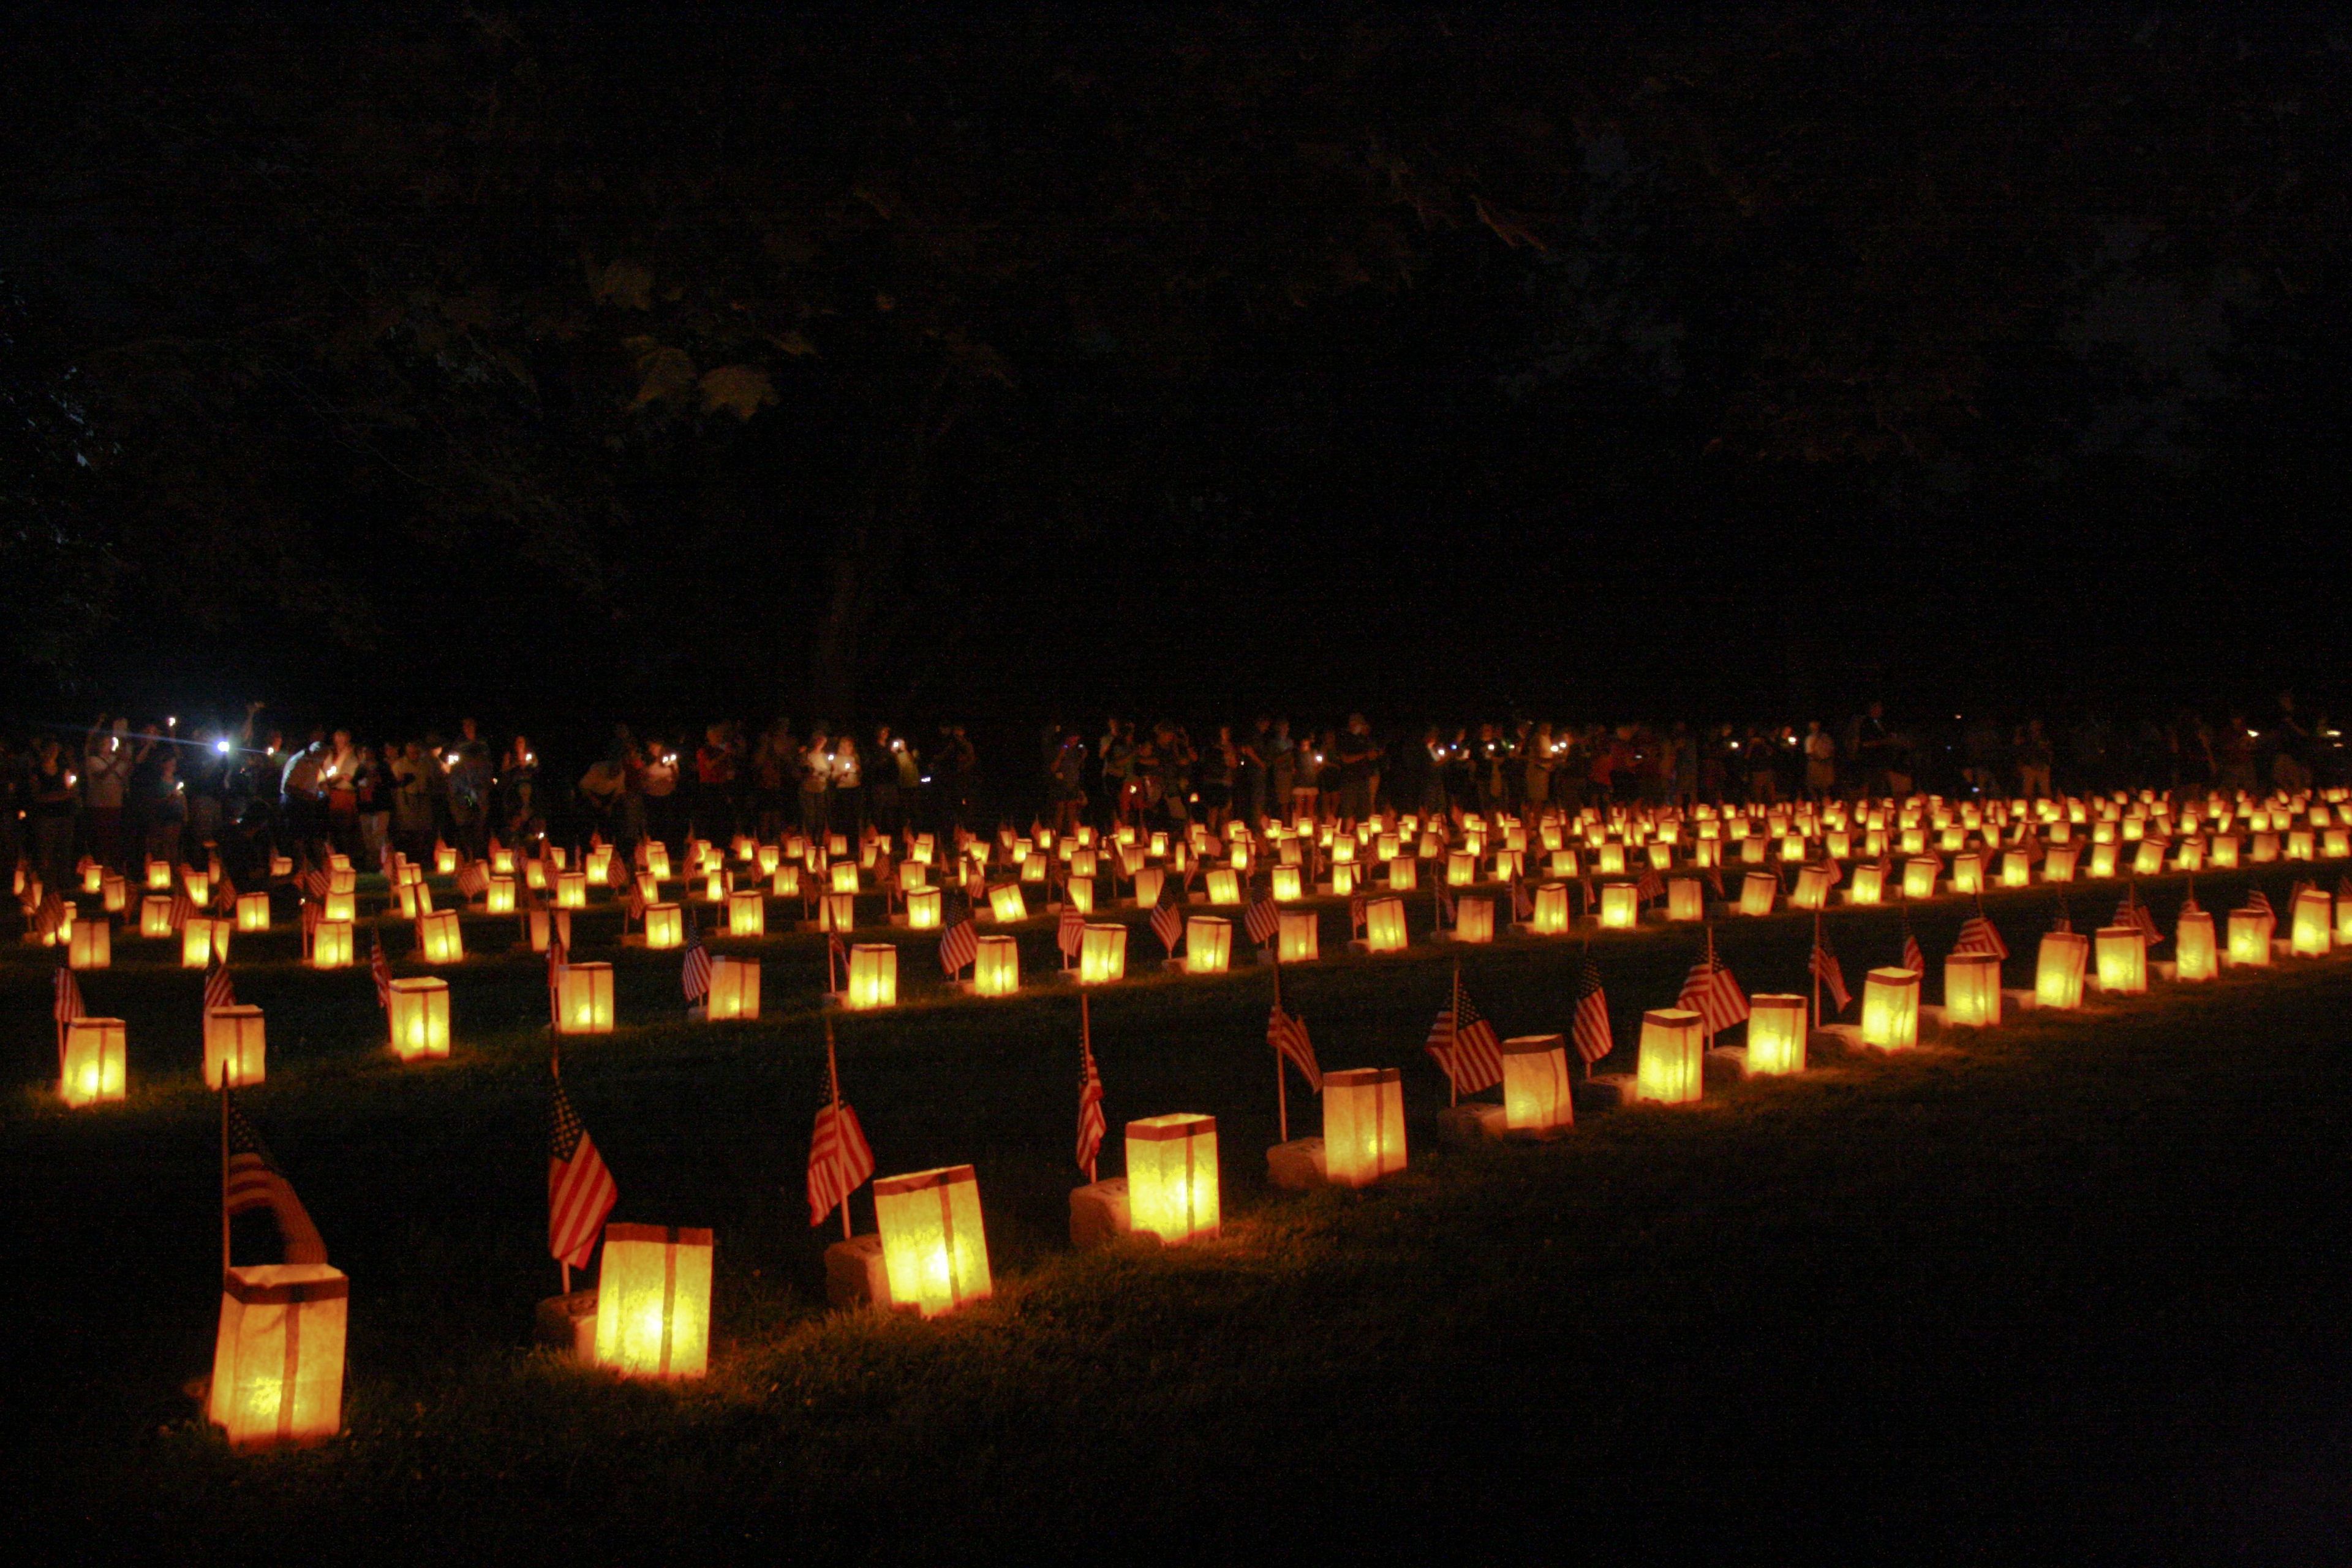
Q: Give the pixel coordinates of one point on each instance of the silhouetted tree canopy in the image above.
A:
(750, 358)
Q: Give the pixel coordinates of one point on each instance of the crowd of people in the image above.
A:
(120, 792)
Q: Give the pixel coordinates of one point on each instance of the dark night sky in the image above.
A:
(733, 361)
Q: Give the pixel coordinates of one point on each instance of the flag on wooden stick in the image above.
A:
(1826, 969)
(694, 977)
(250, 1179)
(1288, 1035)
(218, 992)
(839, 1157)
(1711, 991)
(1090, 1095)
(1594, 1038)
(580, 1191)
(1464, 1046)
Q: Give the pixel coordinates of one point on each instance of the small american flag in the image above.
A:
(2259, 902)
(312, 914)
(1464, 1046)
(2132, 913)
(315, 882)
(1262, 921)
(380, 970)
(1168, 926)
(1714, 883)
(225, 895)
(580, 1191)
(836, 957)
(1979, 935)
(839, 1159)
(1826, 969)
(1913, 959)
(1070, 933)
(68, 1005)
(473, 878)
(1651, 886)
(184, 907)
(1288, 1036)
(1444, 901)
(695, 977)
(1523, 908)
(1091, 1112)
(1595, 1039)
(958, 945)
(1830, 869)
(218, 992)
(50, 918)
(1355, 913)
(1711, 991)
(251, 1179)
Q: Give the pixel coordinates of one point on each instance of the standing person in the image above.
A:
(469, 788)
(1534, 768)
(1065, 782)
(106, 762)
(848, 788)
(657, 783)
(717, 810)
(1254, 753)
(55, 798)
(1821, 762)
(15, 803)
(775, 762)
(602, 789)
(883, 803)
(961, 759)
(1281, 768)
(1306, 777)
(2034, 756)
(517, 779)
(1118, 768)
(373, 791)
(816, 781)
(302, 793)
(412, 801)
(165, 808)
(337, 774)
(1358, 756)
(1219, 764)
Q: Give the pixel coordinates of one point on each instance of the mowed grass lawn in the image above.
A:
(2077, 1283)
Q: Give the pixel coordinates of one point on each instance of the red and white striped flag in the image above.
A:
(184, 907)
(1826, 969)
(2132, 913)
(839, 1159)
(836, 960)
(1913, 959)
(251, 1179)
(1831, 871)
(1711, 991)
(580, 1191)
(1464, 1046)
(380, 971)
(958, 945)
(225, 895)
(1262, 921)
(1288, 1036)
(1594, 1038)
(218, 992)
(1523, 908)
(1650, 886)
(473, 878)
(1977, 935)
(1070, 933)
(315, 882)
(1091, 1112)
(2259, 902)
(1168, 926)
(694, 975)
(1357, 907)
(66, 1005)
